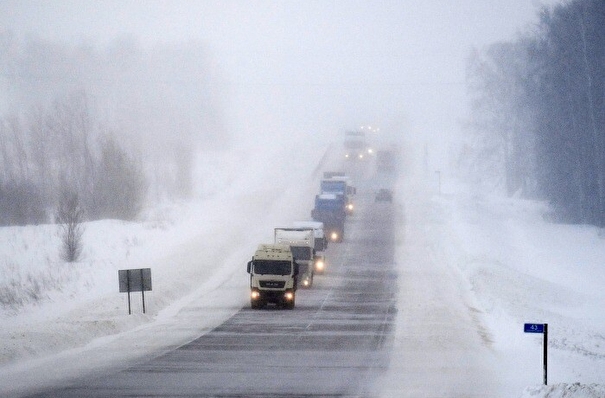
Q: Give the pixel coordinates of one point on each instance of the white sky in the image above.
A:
(317, 66)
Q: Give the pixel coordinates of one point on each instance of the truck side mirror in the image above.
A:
(249, 268)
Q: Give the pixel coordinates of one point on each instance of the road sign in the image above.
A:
(135, 280)
(533, 328)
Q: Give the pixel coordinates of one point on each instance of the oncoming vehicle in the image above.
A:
(355, 145)
(321, 243)
(302, 246)
(273, 276)
(330, 210)
(339, 184)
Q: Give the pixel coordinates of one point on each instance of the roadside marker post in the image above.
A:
(540, 328)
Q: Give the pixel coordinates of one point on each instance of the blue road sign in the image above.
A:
(533, 328)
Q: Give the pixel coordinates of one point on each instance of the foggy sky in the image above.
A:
(310, 66)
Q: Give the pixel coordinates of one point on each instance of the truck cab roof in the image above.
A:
(328, 196)
(295, 236)
(316, 226)
(272, 251)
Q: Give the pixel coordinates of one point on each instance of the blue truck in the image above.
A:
(330, 210)
(339, 185)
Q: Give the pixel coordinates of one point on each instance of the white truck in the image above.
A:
(273, 276)
(321, 243)
(356, 146)
(302, 244)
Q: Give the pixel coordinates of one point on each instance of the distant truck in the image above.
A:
(330, 210)
(355, 145)
(321, 243)
(273, 276)
(339, 184)
(302, 245)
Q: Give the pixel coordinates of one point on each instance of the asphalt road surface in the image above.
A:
(335, 343)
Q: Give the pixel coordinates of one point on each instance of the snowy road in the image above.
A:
(443, 348)
(425, 298)
(336, 342)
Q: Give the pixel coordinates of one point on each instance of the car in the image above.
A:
(384, 195)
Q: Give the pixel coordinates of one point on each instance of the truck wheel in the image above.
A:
(256, 304)
(290, 305)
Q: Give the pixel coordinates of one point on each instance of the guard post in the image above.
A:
(540, 328)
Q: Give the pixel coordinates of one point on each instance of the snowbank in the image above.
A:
(511, 267)
(52, 311)
(575, 390)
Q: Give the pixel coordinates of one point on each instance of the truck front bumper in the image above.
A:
(272, 296)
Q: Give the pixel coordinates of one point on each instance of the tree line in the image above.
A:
(116, 125)
(538, 112)
(62, 151)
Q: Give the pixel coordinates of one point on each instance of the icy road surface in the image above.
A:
(336, 341)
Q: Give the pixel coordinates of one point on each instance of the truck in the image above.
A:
(339, 184)
(302, 245)
(273, 276)
(355, 145)
(330, 210)
(321, 243)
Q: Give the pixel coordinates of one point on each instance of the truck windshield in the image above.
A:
(272, 267)
(333, 186)
(301, 252)
(329, 204)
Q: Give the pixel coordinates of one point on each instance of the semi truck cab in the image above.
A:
(273, 276)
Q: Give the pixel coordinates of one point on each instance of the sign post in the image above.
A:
(543, 329)
(135, 280)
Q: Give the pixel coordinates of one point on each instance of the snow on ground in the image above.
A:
(53, 314)
(474, 268)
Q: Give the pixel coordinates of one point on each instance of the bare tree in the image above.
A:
(119, 186)
(70, 216)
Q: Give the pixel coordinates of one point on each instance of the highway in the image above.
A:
(335, 342)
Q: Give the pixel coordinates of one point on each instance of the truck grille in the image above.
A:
(272, 284)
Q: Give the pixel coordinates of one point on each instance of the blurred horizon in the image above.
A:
(303, 68)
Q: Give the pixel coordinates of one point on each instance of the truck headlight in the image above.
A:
(334, 236)
(319, 265)
(350, 206)
(289, 296)
(255, 294)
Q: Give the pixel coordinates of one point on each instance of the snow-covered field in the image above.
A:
(496, 265)
(473, 269)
